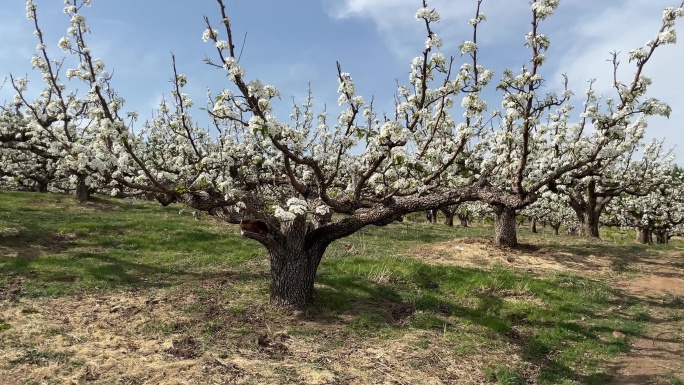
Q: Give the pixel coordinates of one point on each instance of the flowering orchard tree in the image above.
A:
(57, 130)
(23, 169)
(533, 142)
(301, 183)
(553, 209)
(593, 187)
(656, 213)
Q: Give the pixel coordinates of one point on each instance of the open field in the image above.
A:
(133, 293)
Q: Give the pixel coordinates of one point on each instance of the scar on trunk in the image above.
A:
(254, 227)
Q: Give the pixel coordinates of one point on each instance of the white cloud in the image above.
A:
(395, 21)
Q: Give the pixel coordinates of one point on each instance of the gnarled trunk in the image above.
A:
(588, 206)
(505, 226)
(294, 258)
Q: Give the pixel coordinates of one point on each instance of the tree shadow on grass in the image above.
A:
(98, 270)
(422, 300)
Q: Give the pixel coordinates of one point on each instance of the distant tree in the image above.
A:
(590, 189)
(658, 213)
(553, 209)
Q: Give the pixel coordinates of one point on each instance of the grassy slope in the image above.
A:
(373, 286)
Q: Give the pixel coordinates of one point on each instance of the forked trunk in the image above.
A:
(588, 207)
(505, 227)
(42, 187)
(464, 220)
(294, 258)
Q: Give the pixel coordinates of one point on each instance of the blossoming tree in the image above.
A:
(658, 212)
(591, 189)
(536, 142)
(54, 131)
(298, 184)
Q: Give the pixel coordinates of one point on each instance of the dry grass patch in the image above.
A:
(179, 337)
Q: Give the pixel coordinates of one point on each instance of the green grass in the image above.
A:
(369, 286)
(503, 375)
(65, 247)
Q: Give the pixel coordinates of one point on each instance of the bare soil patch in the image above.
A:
(658, 356)
(470, 252)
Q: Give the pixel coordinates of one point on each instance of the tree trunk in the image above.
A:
(294, 255)
(292, 275)
(556, 228)
(662, 236)
(82, 190)
(533, 225)
(588, 206)
(42, 187)
(433, 215)
(448, 218)
(589, 223)
(505, 227)
(464, 220)
(642, 235)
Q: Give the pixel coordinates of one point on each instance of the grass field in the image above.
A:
(133, 293)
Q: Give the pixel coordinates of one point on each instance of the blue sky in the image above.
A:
(293, 43)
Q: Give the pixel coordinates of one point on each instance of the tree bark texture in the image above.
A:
(294, 254)
(293, 271)
(505, 226)
(589, 223)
